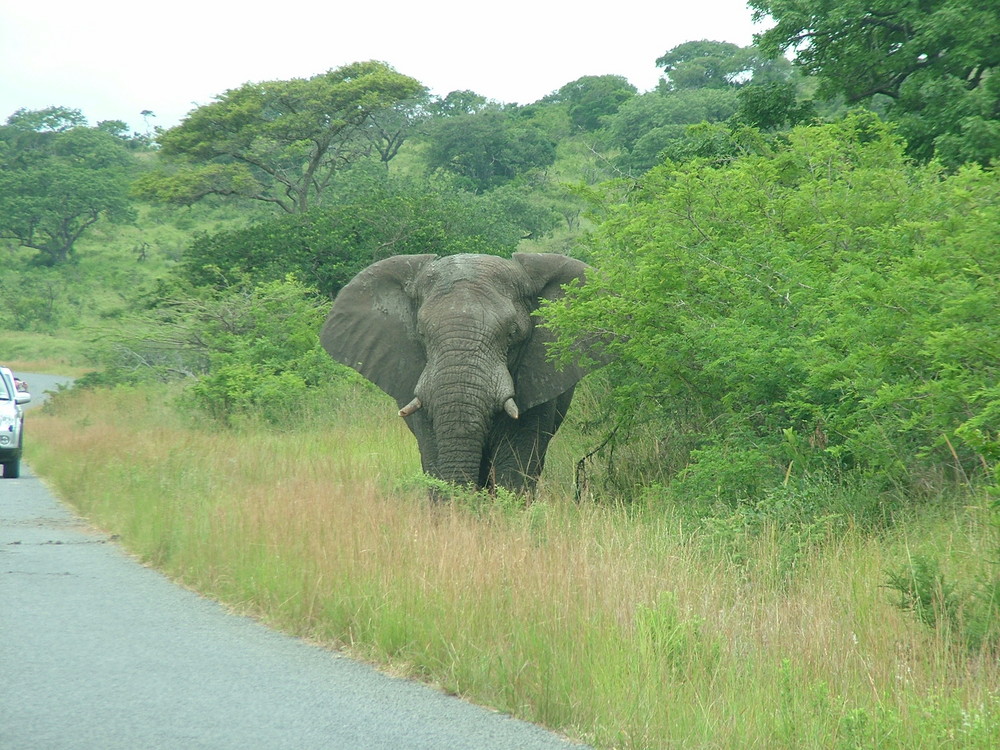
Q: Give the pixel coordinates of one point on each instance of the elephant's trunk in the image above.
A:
(461, 435)
(463, 405)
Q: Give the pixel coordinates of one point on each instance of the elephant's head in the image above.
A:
(453, 340)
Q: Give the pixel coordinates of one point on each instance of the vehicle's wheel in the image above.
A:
(12, 469)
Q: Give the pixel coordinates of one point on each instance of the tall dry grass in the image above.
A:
(624, 629)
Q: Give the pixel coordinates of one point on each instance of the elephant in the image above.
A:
(453, 340)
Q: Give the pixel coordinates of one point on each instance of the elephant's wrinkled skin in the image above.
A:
(453, 340)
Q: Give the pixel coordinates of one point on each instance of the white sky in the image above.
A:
(112, 59)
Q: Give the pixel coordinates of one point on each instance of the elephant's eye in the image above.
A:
(517, 330)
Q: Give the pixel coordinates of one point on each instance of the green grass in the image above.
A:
(640, 629)
(39, 352)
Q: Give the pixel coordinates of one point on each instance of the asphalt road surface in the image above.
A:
(98, 652)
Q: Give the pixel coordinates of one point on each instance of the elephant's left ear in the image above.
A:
(537, 378)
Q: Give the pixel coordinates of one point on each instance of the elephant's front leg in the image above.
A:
(515, 454)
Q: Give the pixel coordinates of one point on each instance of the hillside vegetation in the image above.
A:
(773, 520)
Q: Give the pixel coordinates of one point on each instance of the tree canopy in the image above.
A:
(936, 61)
(718, 65)
(649, 123)
(593, 98)
(372, 216)
(488, 148)
(281, 142)
(58, 177)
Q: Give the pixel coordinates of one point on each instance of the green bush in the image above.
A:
(823, 309)
(264, 353)
(248, 352)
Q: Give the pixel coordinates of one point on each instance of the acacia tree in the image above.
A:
(58, 177)
(936, 61)
(280, 142)
(389, 128)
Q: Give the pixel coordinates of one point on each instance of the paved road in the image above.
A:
(98, 652)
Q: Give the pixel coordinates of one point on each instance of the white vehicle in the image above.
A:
(11, 424)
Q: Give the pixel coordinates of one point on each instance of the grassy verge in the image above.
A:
(625, 629)
(37, 352)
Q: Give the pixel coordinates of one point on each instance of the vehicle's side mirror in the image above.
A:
(21, 397)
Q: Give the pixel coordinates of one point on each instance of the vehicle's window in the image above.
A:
(5, 394)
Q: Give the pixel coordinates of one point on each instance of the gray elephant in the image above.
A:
(453, 340)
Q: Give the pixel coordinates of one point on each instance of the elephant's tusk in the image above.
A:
(411, 407)
(511, 408)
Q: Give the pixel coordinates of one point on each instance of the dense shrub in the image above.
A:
(824, 307)
(264, 353)
(250, 351)
(368, 219)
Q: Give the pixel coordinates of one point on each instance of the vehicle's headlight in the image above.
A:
(6, 423)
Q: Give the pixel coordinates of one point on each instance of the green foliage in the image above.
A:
(719, 65)
(48, 120)
(249, 351)
(715, 142)
(935, 61)
(281, 142)
(488, 148)
(709, 83)
(822, 308)
(942, 118)
(924, 591)
(389, 127)
(479, 503)
(373, 216)
(463, 102)
(591, 99)
(58, 178)
(263, 352)
(33, 300)
(772, 106)
(964, 605)
(648, 124)
(666, 636)
(967, 612)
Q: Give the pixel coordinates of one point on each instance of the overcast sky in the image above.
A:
(114, 59)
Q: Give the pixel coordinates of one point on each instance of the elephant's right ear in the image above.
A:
(372, 326)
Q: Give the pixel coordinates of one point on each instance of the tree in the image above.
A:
(462, 102)
(593, 98)
(936, 61)
(489, 148)
(649, 123)
(771, 106)
(390, 127)
(59, 177)
(48, 120)
(372, 215)
(719, 65)
(280, 142)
